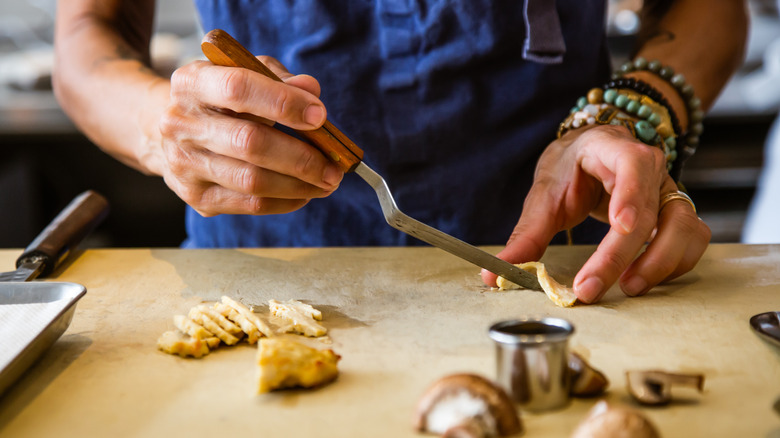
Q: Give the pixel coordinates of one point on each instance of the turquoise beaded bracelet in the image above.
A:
(689, 140)
(646, 120)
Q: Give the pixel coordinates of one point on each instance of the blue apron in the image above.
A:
(453, 101)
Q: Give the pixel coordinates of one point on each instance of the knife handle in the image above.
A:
(222, 49)
(66, 231)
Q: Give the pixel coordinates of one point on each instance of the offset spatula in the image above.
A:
(62, 235)
(222, 49)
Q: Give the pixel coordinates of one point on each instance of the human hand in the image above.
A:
(604, 172)
(222, 154)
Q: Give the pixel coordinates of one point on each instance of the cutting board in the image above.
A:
(400, 318)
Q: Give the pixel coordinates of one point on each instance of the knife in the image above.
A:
(63, 234)
(222, 49)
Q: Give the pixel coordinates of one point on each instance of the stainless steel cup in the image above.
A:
(532, 361)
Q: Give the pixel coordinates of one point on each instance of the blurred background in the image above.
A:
(46, 161)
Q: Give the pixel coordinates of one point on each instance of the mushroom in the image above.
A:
(466, 406)
(586, 381)
(655, 387)
(605, 421)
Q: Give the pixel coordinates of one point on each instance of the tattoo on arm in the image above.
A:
(662, 36)
(658, 36)
(126, 53)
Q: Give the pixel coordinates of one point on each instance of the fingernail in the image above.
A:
(332, 175)
(313, 115)
(627, 219)
(589, 290)
(634, 286)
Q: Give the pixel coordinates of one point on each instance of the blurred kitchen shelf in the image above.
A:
(41, 172)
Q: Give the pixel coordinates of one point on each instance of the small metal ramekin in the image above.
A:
(532, 361)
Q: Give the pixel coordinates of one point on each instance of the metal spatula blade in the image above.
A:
(400, 221)
(222, 49)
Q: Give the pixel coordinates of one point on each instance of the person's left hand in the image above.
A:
(604, 172)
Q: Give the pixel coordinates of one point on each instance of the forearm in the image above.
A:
(103, 81)
(702, 39)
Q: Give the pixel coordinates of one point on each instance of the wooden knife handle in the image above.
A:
(66, 231)
(222, 49)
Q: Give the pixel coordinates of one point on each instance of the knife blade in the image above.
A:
(222, 49)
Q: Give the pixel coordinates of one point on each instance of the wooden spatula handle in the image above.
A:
(222, 49)
(66, 231)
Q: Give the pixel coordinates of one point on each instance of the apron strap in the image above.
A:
(543, 37)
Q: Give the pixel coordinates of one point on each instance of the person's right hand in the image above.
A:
(222, 154)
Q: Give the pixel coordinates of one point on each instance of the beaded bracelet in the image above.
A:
(646, 89)
(646, 120)
(689, 140)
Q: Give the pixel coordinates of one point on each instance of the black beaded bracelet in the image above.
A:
(687, 141)
(643, 87)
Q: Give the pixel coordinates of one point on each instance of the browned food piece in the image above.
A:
(466, 405)
(559, 294)
(605, 421)
(284, 363)
(586, 381)
(654, 387)
(176, 342)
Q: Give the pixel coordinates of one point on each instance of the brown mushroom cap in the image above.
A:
(500, 406)
(586, 381)
(653, 387)
(605, 421)
(776, 406)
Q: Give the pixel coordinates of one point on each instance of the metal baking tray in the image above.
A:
(33, 315)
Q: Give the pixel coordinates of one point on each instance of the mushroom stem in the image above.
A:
(655, 387)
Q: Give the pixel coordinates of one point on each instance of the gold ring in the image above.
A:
(675, 196)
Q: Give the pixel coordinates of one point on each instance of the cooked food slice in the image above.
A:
(252, 332)
(176, 342)
(197, 316)
(212, 342)
(303, 308)
(248, 314)
(190, 327)
(558, 293)
(299, 317)
(226, 324)
(284, 363)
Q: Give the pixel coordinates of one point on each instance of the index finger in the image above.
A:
(633, 213)
(244, 91)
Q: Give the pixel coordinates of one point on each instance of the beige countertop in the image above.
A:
(400, 318)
